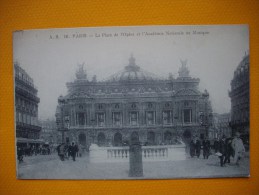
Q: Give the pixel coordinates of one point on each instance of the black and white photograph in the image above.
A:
(132, 102)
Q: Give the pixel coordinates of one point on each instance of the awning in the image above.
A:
(26, 140)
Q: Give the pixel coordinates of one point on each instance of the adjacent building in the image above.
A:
(220, 126)
(239, 95)
(133, 104)
(26, 107)
(223, 125)
(49, 133)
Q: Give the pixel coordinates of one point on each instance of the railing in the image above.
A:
(118, 153)
(155, 152)
(146, 153)
(149, 153)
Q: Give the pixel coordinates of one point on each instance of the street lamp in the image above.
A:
(93, 133)
(66, 128)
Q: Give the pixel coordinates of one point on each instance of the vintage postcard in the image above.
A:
(140, 102)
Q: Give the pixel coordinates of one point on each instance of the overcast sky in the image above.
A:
(51, 57)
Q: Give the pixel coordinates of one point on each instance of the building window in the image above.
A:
(100, 119)
(187, 115)
(186, 103)
(116, 118)
(167, 117)
(150, 117)
(133, 105)
(24, 118)
(81, 118)
(150, 105)
(100, 106)
(117, 106)
(133, 118)
(27, 119)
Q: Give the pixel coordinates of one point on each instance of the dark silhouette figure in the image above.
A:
(192, 148)
(198, 148)
(20, 154)
(73, 151)
(216, 145)
(229, 150)
(195, 147)
(222, 150)
(206, 148)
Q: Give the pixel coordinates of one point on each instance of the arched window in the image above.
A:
(117, 139)
(168, 137)
(101, 139)
(82, 139)
(134, 137)
(151, 138)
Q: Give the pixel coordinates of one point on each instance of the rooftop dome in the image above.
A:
(132, 72)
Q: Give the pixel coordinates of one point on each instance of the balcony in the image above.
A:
(20, 125)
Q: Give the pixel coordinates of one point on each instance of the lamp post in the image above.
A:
(66, 128)
(176, 124)
(93, 133)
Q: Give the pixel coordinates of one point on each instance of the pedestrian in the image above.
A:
(66, 150)
(222, 150)
(216, 145)
(197, 148)
(192, 148)
(206, 148)
(20, 154)
(74, 150)
(229, 150)
(80, 150)
(238, 147)
(70, 151)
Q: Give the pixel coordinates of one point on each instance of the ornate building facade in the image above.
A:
(26, 106)
(239, 96)
(133, 104)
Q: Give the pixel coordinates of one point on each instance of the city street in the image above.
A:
(50, 167)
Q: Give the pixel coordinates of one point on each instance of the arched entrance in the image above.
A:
(168, 137)
(134, 137)
(82, 139)
(101, 139)
(187, 134)
(151, 138)
(117, 141)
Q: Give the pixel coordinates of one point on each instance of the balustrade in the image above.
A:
(147, 152)
(118, 153)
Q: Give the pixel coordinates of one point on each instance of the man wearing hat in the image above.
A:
(238, 147)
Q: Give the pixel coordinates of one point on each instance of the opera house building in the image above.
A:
(133, 104)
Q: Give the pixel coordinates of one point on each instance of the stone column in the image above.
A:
(135, 158)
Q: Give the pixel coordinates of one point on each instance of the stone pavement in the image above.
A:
(50, 167)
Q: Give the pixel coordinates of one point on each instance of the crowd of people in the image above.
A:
(65, 151)
(224, 148)
(31, 150)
